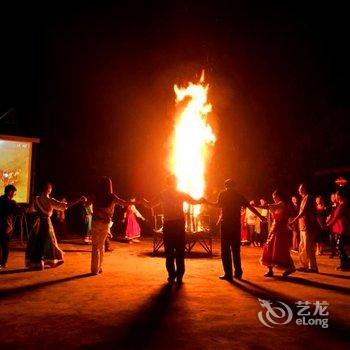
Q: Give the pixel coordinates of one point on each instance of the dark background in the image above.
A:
(94, 80)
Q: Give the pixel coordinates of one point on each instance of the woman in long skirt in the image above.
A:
(88, 211)
(276, 252)
(244, 228)
(104, 204)
(132, 229)
(42, 248)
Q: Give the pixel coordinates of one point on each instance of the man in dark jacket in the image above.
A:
(8, 210)
(230, 201)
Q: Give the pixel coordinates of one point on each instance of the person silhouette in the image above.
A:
(171, 200)
(230, 201)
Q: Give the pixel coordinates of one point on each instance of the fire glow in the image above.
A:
(193, 140)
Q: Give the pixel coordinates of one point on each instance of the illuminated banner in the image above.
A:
(15, 165)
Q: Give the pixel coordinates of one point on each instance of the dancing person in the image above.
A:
(60, 227)
(332, 235)
(244, 229)
(276, 252)
(42, 248)
(308, 229)
(132, 227)
(262, 226)
(251, 223)
(340, 223)
(294, 211)
(104, 203)
(230, 201)
(8, 210)
(322, 233)
(87, 215)
(172, 200)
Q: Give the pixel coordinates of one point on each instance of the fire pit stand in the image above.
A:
(203, 238)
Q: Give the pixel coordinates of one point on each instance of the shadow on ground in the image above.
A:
(32, 287)
(335, 329)
(334, 275)
(190, 255)
(146, 324)
(10, 272)
(300, 280)
(76, 251)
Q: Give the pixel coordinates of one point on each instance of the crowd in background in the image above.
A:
(330, 232)
(302, 224)
(46, 221)
(126, 223)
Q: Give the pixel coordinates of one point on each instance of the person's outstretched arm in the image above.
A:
(217, 203)
(266, 206)
(82, 199)
(189, 199)
(219, 219)
(301, 212)
(253, 210)
(154, 202)
(214, 204)
(122, 202)
(136, 212)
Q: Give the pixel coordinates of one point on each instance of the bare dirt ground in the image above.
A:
(130, 306)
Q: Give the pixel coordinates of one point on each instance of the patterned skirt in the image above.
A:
(42, 249)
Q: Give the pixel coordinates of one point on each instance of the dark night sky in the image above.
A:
(94, 82)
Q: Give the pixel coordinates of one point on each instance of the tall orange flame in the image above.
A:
(193, 139)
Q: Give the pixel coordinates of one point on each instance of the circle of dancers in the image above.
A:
(283, 227)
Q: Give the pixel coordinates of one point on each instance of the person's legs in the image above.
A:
(333, 244)
(251, 230)
(101, 249)
(295, 240)
(40, 239)
(99, 233)
(257, 239)
(4, 249)
(226, 256)
(236, 252)
(169, 248)
(263, 233)
(107, 245)
(269, 273)
(230, 246)
(310, 251)
(304, 261)
(33, 254)
(180, 262)
(319, 248)
(344, 258)
(51, 254)
(87, 232)
(95, 254)
(170, 260)
(180, 251)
